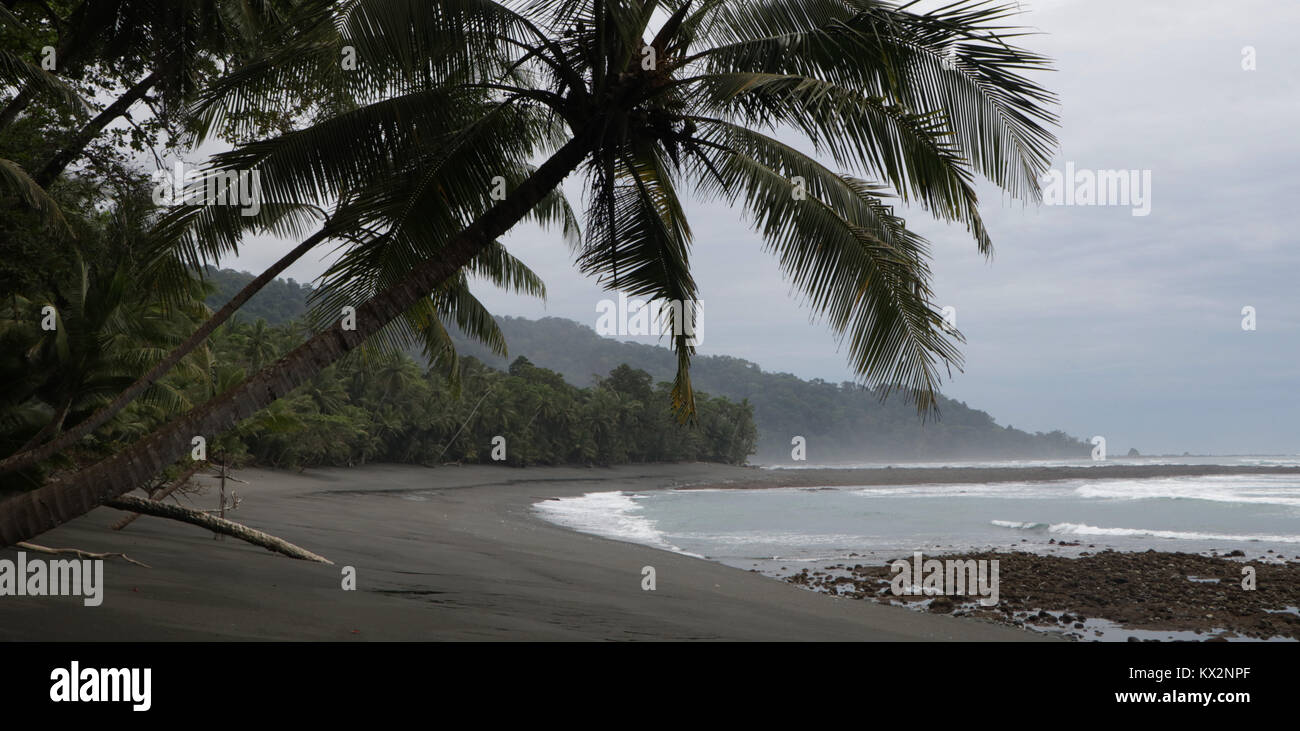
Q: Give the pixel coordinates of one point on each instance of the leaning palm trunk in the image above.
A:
(27, 457)
(921, 102)
(51, 505)
(83, 137)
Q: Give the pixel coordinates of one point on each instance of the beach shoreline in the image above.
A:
(452, 553)
(458, 553)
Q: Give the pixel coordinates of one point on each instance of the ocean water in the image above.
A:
(780, 530)
(1243, 461)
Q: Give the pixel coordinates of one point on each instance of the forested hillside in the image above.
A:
(388, 408)
(391, 408)
(280, 301)
(841, 422)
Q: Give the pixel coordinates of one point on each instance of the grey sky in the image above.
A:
(1087, 319)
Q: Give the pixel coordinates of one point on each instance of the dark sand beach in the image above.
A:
(456, 553)
(453, 553)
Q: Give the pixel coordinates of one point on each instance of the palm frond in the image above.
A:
(16, 180)
(638, 242)
(856, 262)
(17, 71)
(914, 153)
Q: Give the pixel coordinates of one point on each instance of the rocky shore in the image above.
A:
(1106, 595)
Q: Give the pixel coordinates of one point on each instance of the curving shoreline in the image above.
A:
(453, 553)
(457, 553)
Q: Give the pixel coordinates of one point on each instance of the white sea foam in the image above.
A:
(1256, 489)
(614, 515)
(779, 538)
(1081, 529)
(1283, 460)
(1037, 489)
(1020, 525)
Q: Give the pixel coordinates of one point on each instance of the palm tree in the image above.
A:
(17, 71)
(327, 392)
(645, 97)
(259, 344)
(144, 46)
(396, 373)
(459, 141)
(167, 49)
(104, 331)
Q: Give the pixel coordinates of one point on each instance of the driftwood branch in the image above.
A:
(233, 504)
(134, 504)
(76, 552)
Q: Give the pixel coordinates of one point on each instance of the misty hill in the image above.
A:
(842, 422)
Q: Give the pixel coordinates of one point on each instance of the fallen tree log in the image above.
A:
(163, 493)
(133, 504)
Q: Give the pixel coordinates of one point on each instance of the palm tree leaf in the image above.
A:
(955, 60)
(17, 71)
(15, 179)
(638, 242)
(913, 153)
(856, 262)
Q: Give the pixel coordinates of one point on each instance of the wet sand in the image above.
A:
(453, 553)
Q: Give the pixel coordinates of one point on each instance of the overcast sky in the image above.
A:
(1088, 318)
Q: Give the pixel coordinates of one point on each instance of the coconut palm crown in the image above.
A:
(649, 100)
